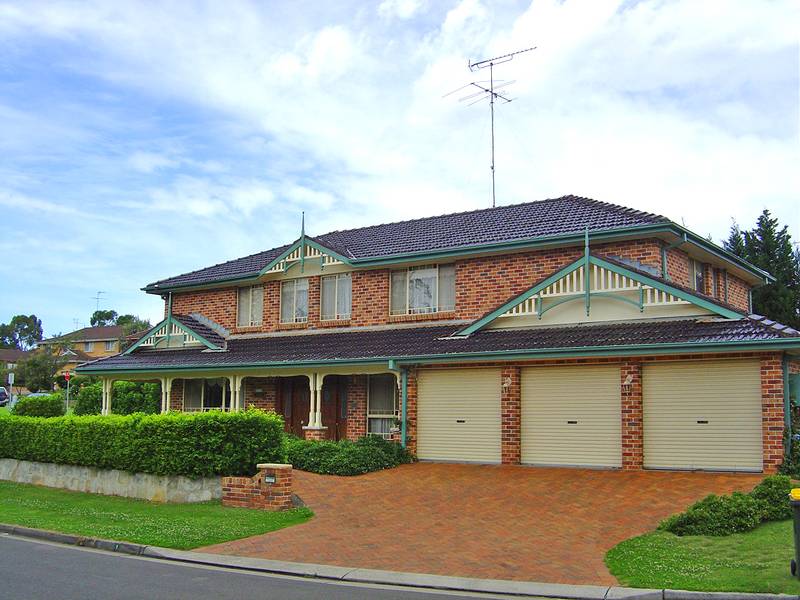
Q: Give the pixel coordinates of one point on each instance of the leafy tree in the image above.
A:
(39, 369)
(22, 332)
(132, 323)
(102, 318)
(769, 247)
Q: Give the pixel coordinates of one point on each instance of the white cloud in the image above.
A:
(147, 162)
(400, 9)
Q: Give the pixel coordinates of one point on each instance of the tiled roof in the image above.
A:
(88, 334)
(531, 220)
(11, 355)
(201, 329)
(434, 341)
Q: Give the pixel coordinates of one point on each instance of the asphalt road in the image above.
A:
(33, 570)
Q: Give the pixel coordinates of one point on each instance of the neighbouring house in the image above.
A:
(83, 345)
(9, 359)
(560, 332)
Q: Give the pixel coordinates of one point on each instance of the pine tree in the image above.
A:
(770, 248)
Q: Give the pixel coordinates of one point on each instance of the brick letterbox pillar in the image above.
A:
(269, 489)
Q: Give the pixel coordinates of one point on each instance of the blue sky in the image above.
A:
(141, 140)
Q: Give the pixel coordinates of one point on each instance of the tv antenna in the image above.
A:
(97, 299)
(489, 92)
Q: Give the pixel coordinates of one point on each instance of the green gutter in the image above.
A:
(494, 355)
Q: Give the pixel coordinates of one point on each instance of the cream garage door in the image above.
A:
(571, 416)
(458, 415)
(703, 415)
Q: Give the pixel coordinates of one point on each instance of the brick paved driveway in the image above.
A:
(503, 522)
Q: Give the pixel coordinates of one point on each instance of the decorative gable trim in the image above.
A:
(168, 328)
(590, 277)
(304, 249)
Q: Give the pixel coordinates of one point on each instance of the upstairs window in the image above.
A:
(250, 306)
(294, 301)
(698, 275)
(336, 297)
(427, 289)
(88, 346)
(109, 345)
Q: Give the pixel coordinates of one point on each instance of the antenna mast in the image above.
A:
(97, 299)
(492, 94)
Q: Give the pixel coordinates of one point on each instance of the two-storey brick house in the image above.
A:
(560, 332)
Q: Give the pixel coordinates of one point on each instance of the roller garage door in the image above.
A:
(571, 416)
(458, 415)
(703, 415)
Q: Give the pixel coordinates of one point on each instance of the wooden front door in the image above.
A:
(334, 407)
(294, 404)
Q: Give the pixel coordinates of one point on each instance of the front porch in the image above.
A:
(314, 405)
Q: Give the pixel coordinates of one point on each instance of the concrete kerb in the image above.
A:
(373, 576)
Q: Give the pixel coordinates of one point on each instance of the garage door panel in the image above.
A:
(458, 415)
(726, 394)
(571, 416)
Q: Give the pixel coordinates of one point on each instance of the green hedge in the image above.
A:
(371, 453)
(195, 445)
(128, 397)
(724, 515)
(40, 406)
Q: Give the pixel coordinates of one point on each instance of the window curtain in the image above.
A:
(447, 287)
(256, 304)
(343, 296)
(399, 289)
(301, 300)
(328, 298)
(287, 301)
(422, 290)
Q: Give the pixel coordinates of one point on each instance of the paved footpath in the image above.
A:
(496, 522)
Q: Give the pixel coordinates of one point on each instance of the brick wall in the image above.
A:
(356, 407)
(772, 422)
(176, 395)
(481, 285)
(511, 416)
(738, 293)
(260, 392)
(258, 491)
(632, 408)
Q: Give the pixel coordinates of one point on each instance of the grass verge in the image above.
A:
(755, 561)
(180, 526)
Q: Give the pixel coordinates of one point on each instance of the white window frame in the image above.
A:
(337, 314)
(408, 309)
(109, 345)
(295, 319)
(391, 417)
(88, 346)
(698, 267)
(255, 317)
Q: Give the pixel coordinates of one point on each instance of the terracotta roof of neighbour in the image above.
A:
(12, 355)
(518, 222)
(88, 334)
(430, 341)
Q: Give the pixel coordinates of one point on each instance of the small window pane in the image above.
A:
(243, 319)
(301, 301)
(381, 395)
(379, 426)
(343, 296)
(399, 284)
(192, 394)
(287, 301)
(88, 346)
(256, 304)
(422, 290)
(447, 287)
(328, 298)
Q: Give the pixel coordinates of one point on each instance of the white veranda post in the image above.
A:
(166, 393)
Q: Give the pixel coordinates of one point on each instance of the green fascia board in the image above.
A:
(180, 326)
(576, 238)
(678, 293)
(475, 326)
(494, 355)
(303, 241)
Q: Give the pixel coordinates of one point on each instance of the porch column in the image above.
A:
(318, 417)
(166, 393)
(315, 430)
(108, 388)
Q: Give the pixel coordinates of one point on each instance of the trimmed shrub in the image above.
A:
(128, 397)
(195, 445)
(40, 406)
(717, 516)
(371, 453)
(773, 494)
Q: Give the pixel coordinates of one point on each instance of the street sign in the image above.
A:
(66, 375)
(10, 378)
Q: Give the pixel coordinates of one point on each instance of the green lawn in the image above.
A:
(181, 526)
(756, 561)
